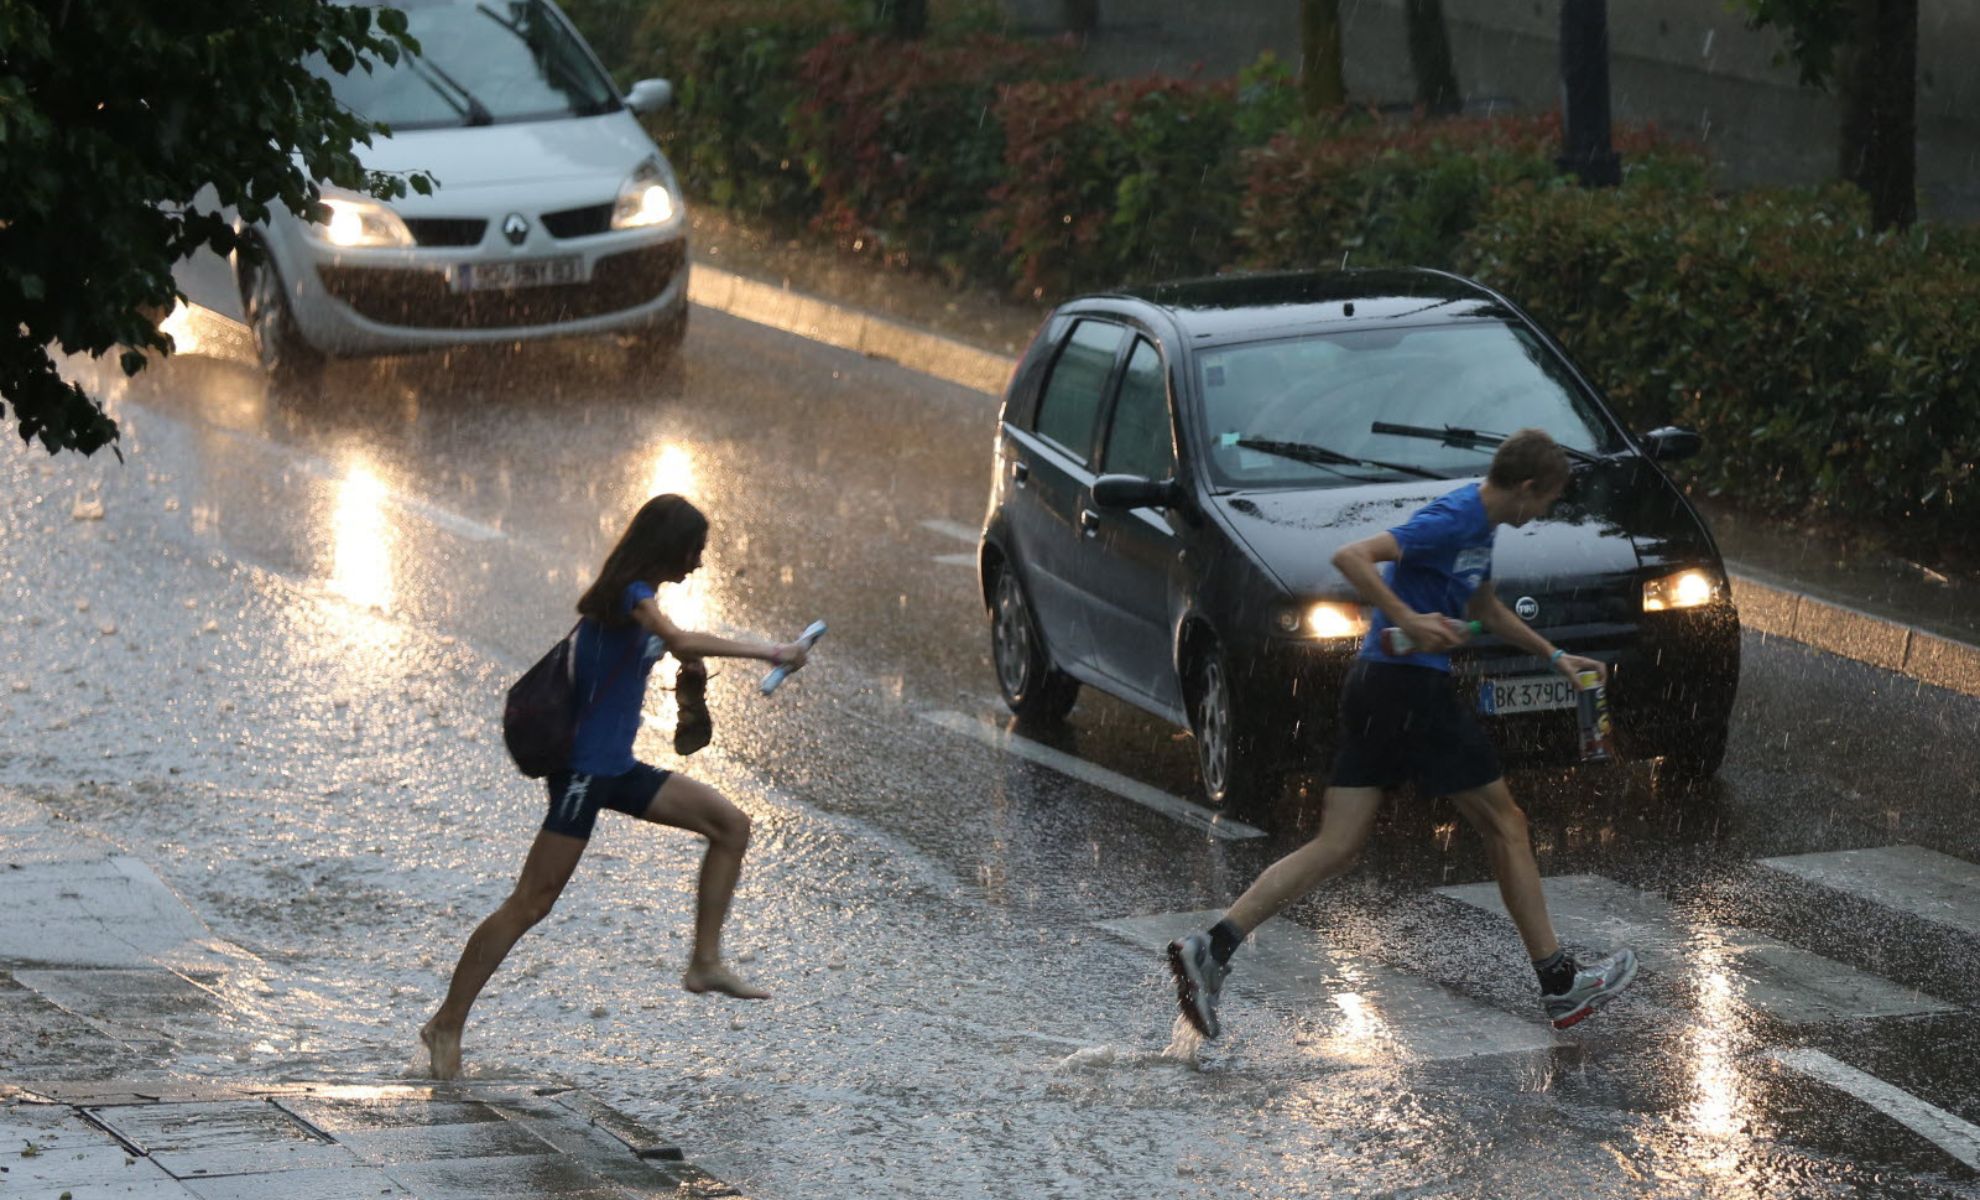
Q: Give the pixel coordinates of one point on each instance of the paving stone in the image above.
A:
(48, 1127)
(105, 1165)
(433, 1143)
(508, 1178)
(340, 1115)
(345, 1183)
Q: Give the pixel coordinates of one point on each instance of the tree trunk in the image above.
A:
(1320, 81)
(1877, 83)
(904, 19)
(1430, 57)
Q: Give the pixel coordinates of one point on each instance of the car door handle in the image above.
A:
(1089, 522)
(1020, 471)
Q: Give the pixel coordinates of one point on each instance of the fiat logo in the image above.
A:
(1527, 608)
(515, 227)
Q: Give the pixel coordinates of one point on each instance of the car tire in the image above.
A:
(1033, 688)
(1698, 761)
(292, 364)
(1236, 777)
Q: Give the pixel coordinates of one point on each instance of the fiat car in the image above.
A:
(1176, 465)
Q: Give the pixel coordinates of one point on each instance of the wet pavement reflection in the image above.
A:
(271, 667)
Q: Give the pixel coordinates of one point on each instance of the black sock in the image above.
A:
(1224, 941)
(1556, 972)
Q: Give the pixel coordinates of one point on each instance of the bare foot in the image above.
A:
(718, 978)
(443, 1050)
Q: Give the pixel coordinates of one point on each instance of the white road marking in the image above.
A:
(1174, 807)
(956, 560)
(1371, 1013)
(1938, 887)
(1944, 1130)
(954, 529)
(1787, 983)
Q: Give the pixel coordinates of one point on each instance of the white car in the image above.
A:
(553, 213)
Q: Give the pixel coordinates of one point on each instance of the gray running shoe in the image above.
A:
(1595, 984)
(1199, 981)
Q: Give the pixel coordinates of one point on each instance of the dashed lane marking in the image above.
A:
(956, 560)
(1944, 1130)
(1370, 1013)
(1174, 807)
(1911, 879)
(1787, 983)
(953, 529)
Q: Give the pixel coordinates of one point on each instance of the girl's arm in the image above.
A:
(686, 643)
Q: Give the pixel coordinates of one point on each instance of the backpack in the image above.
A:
(541, 716)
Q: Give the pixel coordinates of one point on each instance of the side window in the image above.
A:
(1140, 442)
(1071, 402)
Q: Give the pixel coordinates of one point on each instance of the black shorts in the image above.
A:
(1400, 723)
(575, 799)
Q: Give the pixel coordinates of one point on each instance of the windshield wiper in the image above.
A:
(476, 112)
(1320, 456)
(1471, 439)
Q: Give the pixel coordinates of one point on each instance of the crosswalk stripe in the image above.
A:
(1373, 1013)
(1938, 887)
(1787, 983)
(1958, 1138)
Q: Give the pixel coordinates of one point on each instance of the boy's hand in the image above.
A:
(1434, 633)
(1571, 664)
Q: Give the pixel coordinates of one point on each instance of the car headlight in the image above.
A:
(1323, 619)
(645, 199)
(360, 223)
(1689, 588)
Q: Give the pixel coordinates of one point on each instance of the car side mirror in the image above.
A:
(650, 95)
(1672, 443)
(1132, 491)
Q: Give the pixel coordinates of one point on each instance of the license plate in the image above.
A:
(1525, 693)
(522, 273)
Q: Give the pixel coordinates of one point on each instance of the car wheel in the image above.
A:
(291, 362)
(1032, 687)
(1235, 776)
(1698, 761)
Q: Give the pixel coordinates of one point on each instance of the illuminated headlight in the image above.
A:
(1324, 619)
(361, 223)
(645, 199)
(1686, 589)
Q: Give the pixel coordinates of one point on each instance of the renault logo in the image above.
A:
(1527, 608)
(515, 227)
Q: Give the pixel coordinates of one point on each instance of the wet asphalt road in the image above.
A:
(272, 667)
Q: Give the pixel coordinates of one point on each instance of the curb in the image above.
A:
(1763, 607)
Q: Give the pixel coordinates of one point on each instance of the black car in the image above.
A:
(1176, 466)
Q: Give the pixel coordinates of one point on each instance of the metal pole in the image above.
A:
(1588, 154)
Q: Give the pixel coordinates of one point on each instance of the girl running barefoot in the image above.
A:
(622, 634)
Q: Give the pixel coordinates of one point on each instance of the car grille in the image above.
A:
(579, 222)
(422, 299)
(447, 231)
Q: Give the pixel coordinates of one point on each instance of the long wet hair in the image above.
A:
(661, 540)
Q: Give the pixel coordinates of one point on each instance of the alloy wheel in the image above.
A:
(1213, 727)
(1013, 635)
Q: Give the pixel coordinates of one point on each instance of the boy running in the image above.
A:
(1401, 719)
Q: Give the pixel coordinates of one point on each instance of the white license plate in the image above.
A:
(522, 273)
(1525, 693)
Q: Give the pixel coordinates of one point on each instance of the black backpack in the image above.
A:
(540, 718)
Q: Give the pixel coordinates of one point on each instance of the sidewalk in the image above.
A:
(110, 987)
(1858, 602)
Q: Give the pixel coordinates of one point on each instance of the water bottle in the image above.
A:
(807, 639)
(1395, 643)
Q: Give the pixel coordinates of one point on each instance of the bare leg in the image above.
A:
(694, 806)
(552, 858)
(1348, 815)
(1509, 844)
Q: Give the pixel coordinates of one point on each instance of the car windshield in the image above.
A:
(1327, 392)
(479, 64)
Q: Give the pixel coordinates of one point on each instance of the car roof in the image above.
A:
(1243, 307)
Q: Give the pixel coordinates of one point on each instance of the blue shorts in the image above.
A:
(575, 799)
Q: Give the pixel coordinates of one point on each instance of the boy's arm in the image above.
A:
(1488, 610)
(686, 643)
(1360, 561)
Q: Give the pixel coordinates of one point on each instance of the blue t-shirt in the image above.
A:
(1446, 557)
(612, 666)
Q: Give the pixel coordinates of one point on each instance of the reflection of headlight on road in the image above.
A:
(358, 223)
(1324, 619)
(1685, 589)
(645, 199)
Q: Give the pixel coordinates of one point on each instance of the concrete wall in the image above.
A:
(1688, 65)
